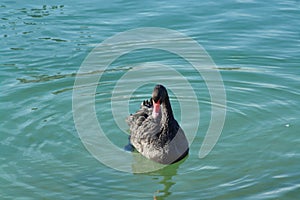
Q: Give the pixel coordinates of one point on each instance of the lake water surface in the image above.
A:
(255, 46)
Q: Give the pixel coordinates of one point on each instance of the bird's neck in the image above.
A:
(167, 113)
(169, 126)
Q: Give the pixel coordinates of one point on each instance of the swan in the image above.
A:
(154, 132)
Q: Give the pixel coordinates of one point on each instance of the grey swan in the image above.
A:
(155, 133)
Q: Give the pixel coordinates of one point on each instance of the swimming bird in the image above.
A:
(154, 132)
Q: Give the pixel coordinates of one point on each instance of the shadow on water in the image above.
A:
(41, 78)
(46, 78)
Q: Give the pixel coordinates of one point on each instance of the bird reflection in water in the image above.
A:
(162, 173)
(166, 174)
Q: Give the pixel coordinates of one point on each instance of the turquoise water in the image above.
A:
(256, 47)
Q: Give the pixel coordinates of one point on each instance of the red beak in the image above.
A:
(156, 109)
